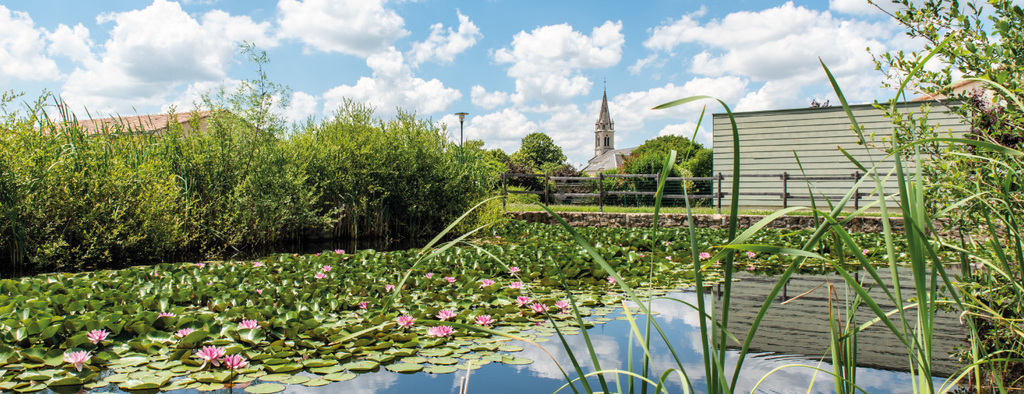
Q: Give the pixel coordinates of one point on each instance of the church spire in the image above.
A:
(604, 132)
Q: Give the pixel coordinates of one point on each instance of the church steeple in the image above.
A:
(604, 132)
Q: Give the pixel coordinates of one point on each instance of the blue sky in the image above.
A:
(515, 66)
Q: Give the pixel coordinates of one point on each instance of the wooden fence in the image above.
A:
(716, 196)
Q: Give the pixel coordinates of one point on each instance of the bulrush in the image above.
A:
(210, 354)
(97, 336)
(405, 321)
(446, 314)
(440, 331)
(484, 320)
(249, 324)
(78, 359)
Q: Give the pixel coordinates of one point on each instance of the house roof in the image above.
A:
(142, 124)
(607, 160)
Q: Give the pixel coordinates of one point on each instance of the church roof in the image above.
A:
(604, 118)
(607, 160)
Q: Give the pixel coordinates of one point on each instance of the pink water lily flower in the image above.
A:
(326, 268)
(249, 324)
(484, 320)
(429, 275)
(259, 291)
(513, 269)
(235, 361)
(200, 265)
(751, 268)
(257, 264)
(320, 275)
(486, 282)
(865, 252)
(405, 321)
(538, 307)
(97, 336)
(363, 305)
(704, 255)
(78, 359)
(210, 354)
(440, 331)
(751, 254)
(184, 332)
(611, 280)
(339, 251)
(563, 305)
(515, 285)
(446, 314)
(389, 287)
(449, 279)
(165, 314)
(522, 300)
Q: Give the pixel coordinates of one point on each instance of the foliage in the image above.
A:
(973, 186)
(538, 150)
(79, 199)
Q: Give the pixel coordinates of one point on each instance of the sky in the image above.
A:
(516, 67)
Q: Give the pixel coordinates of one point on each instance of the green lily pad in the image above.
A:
(66, 381)
(439, 369)
(281, 368)
(317, 363)
(510, 348)
(265, 388)
(327, 370)
(414, 360)
(297, 379)
(443, 361)
(209, 386)
(30, 388)
(317, 382)
(404, 367)
(516, 360)
(361, 366)
(275, 377)
(436, 352)
(340, 377)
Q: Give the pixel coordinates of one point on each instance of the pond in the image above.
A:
(789, 337)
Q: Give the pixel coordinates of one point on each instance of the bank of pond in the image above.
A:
(416, 319)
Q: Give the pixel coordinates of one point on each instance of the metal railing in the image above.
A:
(718, 193)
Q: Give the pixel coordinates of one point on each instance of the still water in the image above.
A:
(775, 367)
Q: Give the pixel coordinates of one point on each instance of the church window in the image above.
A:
(606, 141)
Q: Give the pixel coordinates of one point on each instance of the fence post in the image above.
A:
(785, 190)
(546, 191)
(504, 191)
(856, 193)
(720, 193)
(600, 191)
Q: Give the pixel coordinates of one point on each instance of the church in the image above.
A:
(605, 155)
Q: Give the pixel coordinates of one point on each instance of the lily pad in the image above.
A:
(317, 382)
(340, 377)
(297, 379)
(361, 366)
(327, 370)
(404, 367)
(265, 388)
(439, 369)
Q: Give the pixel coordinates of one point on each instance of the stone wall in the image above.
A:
(608, 219)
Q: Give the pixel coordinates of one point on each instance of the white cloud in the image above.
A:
(651, 60)
(546, 62)
(302, 106)
(154, 52)
(71, 42)
(631, 110)
(192, 97)
(354, 27)
(393, 86)
(862, 7)
(443, 48)
(703, 137)
(504, 129)
(21, 49)
(487, 100)
(783, 45)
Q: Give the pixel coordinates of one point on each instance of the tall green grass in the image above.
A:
(73, 199)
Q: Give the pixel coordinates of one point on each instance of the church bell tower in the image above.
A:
(604, 132)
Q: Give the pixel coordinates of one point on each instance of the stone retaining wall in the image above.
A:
(608, 219)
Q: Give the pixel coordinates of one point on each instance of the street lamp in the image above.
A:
(462, 118)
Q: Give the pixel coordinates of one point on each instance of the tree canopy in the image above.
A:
(538, 150)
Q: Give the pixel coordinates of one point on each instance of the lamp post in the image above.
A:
(462, 118)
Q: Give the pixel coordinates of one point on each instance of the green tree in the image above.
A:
(685, 149)
(539, 151)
